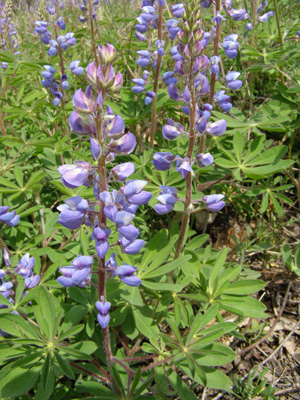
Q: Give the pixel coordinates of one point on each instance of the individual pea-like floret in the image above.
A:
(78, 274)
(75, 68)
(238, 15)
(167, 200)
(172, 130)
(61, 23)
(230, 45)
(183, 166)
(232, 81)
(103, 316)
(217, 128)
(214, 202)
(163, 161)
(100, 236)
(74, 175)
(218, 18)
(74, 213)
(125, 145)
(127, 275)
(10, 218)
(204, 159)
(223, 100)
(134, 193)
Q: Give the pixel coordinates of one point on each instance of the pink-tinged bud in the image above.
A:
(99, 103)
(186, 95)
(203, 63)
(91, 73)
(198, 35)
(115, 127)
(217, 128)
(84, 102)
(198, 49)
(175, 93)
(78, 124)
(125, 145)
(202, 85)
(182, 37)
(118, 82)
(107, 54)
(6, 257)
(105, 77)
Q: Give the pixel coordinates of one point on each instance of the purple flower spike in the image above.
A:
(214, 202)
(217, 128)
(74, 175)
(163, 161)
(125, 145)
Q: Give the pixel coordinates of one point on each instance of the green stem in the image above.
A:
(93, 33)
(278, 22)
(188, 179)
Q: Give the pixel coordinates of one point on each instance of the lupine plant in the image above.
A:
(108, 288)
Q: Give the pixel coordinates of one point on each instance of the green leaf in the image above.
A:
(245, 286)
(64, 366)
(144, 322)
(19, 381)
(238, 145)
(150, 273)
(218, 266)
(70, 332)
(160, 286)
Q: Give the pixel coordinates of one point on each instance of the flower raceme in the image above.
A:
(112, 209)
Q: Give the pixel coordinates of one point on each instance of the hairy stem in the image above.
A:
(278, 22)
